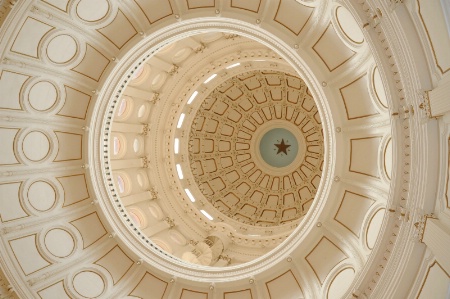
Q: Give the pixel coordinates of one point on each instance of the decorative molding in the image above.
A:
(6, 289)
(394, 3)
(420, 225)
(5, 7)
(424, 105)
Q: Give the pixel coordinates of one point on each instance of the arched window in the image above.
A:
(136, 145)
(137, 73)
(136, 219)
(121, 184)
(142, 111)
(117, 145)
(122, 107)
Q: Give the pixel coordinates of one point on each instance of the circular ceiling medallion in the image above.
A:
(88, 284)
(36, 146)
(290, 138)
(278, 147)
(41, 195)
(62, 48)
(43, 95)
(59, 242)
(92, 11)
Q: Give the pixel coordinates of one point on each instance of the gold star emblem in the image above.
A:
(282, 147)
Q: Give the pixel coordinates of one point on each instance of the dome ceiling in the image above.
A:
(118, 119)
(227, 148)
(217, 141)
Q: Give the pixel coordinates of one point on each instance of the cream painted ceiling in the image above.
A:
(91, 93)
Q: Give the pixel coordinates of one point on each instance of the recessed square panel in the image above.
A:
(331, 50)
(285, 286)
(293, 15)
(324, 257)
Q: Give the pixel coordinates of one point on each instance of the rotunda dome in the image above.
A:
(215, 161)
(256, 148)
(200, 149)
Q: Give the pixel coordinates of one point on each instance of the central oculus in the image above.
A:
(278, 147)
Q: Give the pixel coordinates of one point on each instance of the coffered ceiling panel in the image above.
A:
(27, 255)
(284, 286)
(59, 4)
(93, 64)
(435, 283)
(116, 262)
(189, 294)
(149, 284)
(7, 155)
(75, 188)
(293, 15)
(324, 257)
(70, 146)
(352, 211)
(155, 10)
(244, 294)
(90, 227)
(11, 84)
(76, 103)
(433, 21)
(364, 156)
(331, 50)
(57, 290)
(357, 100)
(250, 5)
(10, 209)
(29, 37)
(119, 31)
(200, 3)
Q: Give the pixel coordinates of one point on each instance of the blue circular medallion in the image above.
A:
(278, 147)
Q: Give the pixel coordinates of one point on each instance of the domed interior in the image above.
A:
(144, 149)
(218, 166)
